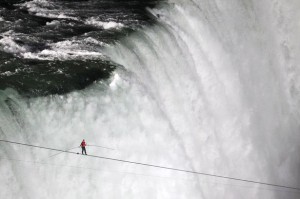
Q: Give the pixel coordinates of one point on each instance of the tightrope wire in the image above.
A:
(63, 152)
(157, 166)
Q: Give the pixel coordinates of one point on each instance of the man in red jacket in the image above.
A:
(83, 145)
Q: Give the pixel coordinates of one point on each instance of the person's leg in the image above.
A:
(82, 149)
(85, 150)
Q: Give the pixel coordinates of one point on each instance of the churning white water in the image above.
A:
(214, 88)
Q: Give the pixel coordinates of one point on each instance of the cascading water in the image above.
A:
(212, 87)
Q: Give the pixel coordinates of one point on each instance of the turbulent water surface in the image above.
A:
(206, 85)
(50, 47)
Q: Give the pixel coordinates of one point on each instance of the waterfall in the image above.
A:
(213, 87)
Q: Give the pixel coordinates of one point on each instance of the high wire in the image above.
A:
(138, 174)
(78, 147)
(157, 166)
(63, 151)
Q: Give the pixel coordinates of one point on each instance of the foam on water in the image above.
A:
(106, 25)
(44, 8)
(53, 23)
(63, 50)
(7, 44)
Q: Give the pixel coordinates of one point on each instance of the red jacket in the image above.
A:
(83, 144)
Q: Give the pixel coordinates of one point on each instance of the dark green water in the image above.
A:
(54, 46)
